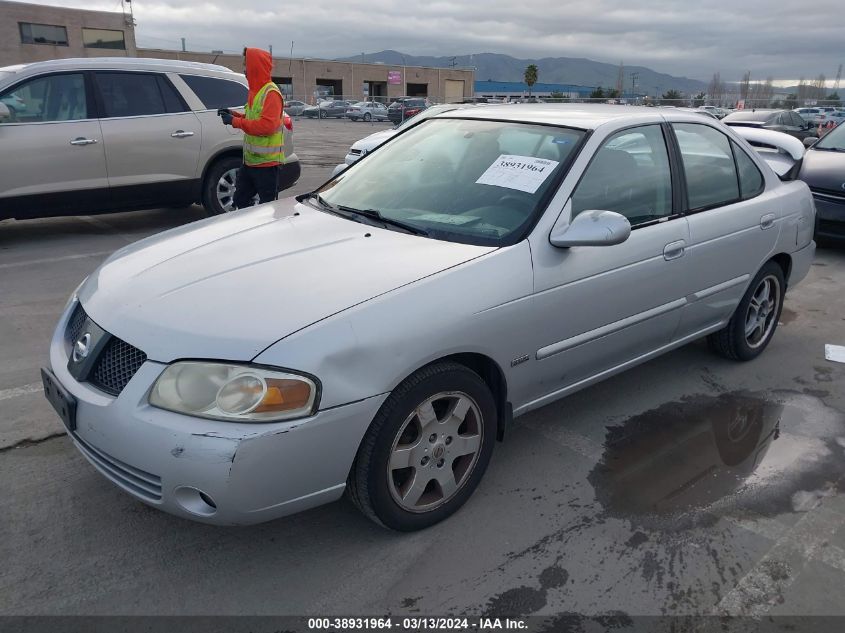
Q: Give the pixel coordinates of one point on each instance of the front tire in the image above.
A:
(426, 450)
(755, 319)
(322, 114)
(218, 188)
(368, 117)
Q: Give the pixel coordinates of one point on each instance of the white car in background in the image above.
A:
(367, 111)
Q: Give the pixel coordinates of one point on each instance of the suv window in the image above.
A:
(750, 178)
(708, 165)
(630, 175)
(136, 94)
(51, 98)
(797, 120)
(217, 93)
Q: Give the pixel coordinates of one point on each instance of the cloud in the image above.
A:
(768, 37)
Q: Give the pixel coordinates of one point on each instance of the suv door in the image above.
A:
(608, 305)
(733, 223)
(152, 139)
(51, 152)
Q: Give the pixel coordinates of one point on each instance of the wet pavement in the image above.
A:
(688, 485)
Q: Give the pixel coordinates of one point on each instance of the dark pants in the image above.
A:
(255, 180)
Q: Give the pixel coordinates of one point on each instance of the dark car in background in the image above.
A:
(327, 109)
(785, 121)
(406, 107)
(823, 169)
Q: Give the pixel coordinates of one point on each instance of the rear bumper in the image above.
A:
(801, 261)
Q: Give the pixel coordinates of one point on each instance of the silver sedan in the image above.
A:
(379, 335)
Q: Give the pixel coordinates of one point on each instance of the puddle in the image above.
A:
(690, 461)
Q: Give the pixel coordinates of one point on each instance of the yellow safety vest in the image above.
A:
(263, 149)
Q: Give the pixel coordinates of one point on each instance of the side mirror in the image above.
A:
(592, 228)
(4, 111)
(339, 169)
(810, 141)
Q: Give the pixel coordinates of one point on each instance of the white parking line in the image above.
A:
(14, 392)
(50, 260)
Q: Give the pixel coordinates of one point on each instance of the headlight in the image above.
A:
(238, 393)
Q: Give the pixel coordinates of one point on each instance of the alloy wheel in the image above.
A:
(435, 451)
(226, 190)
(762, 311)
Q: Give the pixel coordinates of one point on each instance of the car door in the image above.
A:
(52, 160)
(152, 139)
(733, 223)
(603, 306)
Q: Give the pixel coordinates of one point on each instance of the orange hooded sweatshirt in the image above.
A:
(259, 66)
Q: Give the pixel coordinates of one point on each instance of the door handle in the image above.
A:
(181, 134)
(674, 250)
(83, 141)
(767, 221)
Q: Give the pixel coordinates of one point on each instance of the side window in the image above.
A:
(217, 93)
(630, 175)
(708, 166)
(45, 99)
(130, 94)
(173, 101)
(797, 120)
(750, 179)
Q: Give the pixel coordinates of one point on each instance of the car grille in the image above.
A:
(135, 480)
(828, 228)
(828, 194)
(116, 366)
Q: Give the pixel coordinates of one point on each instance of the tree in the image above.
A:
(530, 76)
(671, 97)
(833, 99)
(698, 100)
(613, 93)
(598, 93)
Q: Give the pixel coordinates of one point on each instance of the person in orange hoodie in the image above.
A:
(263, 130)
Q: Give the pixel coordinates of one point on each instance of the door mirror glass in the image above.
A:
(810, 141)
(592, 228)
(5, 114)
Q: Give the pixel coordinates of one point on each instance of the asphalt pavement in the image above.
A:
(687, 485)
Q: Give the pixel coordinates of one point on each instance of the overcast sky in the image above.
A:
(692, 38)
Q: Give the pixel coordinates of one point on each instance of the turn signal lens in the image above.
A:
(243, 393)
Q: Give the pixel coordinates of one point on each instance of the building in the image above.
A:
(33, 32)
(517, 89)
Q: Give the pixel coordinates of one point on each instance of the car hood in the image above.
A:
(230, 286)
(374, 140)
(824, 170)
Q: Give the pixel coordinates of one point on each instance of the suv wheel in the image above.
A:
(755, 319)
(426, 450)
(218, 189)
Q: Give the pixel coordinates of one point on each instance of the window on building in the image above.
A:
(43, 34)
(103, 38)
(217, 93)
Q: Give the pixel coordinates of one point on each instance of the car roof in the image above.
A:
(578, 115)
(121, 63)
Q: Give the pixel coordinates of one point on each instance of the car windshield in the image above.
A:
(833, 140)
(462, 180)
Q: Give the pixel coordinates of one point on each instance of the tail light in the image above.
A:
(288, 121)
(411, 112)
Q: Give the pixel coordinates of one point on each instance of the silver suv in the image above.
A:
(100, 135)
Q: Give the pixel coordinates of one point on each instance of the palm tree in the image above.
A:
(671, 97)
(530, 76)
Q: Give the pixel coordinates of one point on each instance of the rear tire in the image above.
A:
(755, 319)
(426, 450)
(368, 117)
(211, 186)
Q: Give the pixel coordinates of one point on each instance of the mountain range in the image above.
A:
(562, 70)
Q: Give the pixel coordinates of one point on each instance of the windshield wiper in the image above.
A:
(375, 214)
(829, 149)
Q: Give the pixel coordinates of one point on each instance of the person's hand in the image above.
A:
(226, 117)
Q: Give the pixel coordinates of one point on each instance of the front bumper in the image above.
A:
(246, 473)
(830, 217)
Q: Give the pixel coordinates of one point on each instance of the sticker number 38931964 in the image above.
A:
(523, 173)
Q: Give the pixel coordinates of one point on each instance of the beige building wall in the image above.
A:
(306, 74)
(14, 51)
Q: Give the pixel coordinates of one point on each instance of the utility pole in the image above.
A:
(271, 49)
(635, 77)
(453, 61)
(183, 44)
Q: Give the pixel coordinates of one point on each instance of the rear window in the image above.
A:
(217, 93)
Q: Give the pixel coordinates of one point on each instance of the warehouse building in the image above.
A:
(32, 32)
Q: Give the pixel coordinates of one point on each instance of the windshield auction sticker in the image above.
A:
(523, 173)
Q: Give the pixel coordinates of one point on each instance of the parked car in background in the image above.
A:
(831, 118)
(367, 144)
(719, 113)
(823, 169)
(367, 111)
(406, 107)
(785, 121)
(123, 134)
(295, 108)
(338, 361)
(808, 114)
(327, 109)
